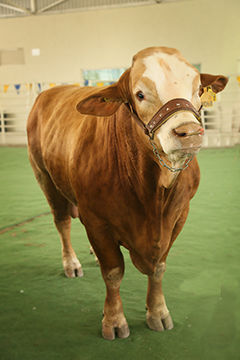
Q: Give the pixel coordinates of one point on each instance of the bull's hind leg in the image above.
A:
(71, 264)
(61, 210)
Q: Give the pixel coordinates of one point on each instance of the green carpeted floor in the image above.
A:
(44, 315)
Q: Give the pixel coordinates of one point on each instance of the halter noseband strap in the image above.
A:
(164, 114)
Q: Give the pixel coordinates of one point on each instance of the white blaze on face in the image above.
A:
(173, 78)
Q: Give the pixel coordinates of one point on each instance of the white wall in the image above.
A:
(205, 31)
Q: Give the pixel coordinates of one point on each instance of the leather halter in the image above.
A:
(164, 114)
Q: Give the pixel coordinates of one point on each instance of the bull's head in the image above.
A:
(158, 75)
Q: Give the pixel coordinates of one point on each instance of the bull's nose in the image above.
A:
(190, 136)
(188, 130)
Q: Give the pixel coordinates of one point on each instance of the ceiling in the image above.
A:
(15, 8)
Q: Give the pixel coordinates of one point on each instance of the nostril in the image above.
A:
(188, 130)
(180, 133)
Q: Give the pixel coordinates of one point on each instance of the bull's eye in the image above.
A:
(140, 95)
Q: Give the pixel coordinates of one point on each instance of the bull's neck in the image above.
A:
(140, 160)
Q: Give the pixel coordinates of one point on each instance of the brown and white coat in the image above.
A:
(93, 160)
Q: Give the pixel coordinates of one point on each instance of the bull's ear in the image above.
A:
(105, 102)
(217, 82)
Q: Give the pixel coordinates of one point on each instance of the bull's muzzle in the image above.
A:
(190, 136)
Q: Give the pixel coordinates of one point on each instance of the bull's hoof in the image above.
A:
(72, 268)
(155, 323)
(78, 272)
(123, 332)
(110, 332)
(167, 322)
(160, 323)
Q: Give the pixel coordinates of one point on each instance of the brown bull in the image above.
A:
(91, 154)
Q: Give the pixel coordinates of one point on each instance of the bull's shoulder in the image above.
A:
(56, 103)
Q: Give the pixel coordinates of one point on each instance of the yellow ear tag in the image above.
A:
(208, 97)
(210, 91)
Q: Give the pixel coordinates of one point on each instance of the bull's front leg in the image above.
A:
(114, 321)
(111, 263)
(158, 317)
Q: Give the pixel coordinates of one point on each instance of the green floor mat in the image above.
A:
(44, 315)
